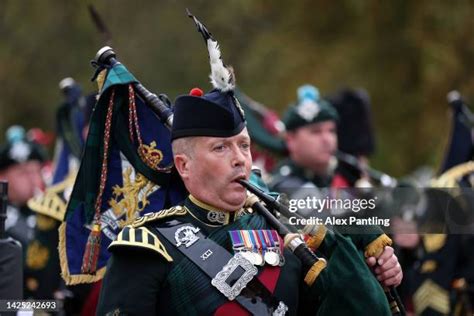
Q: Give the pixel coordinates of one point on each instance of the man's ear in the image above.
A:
(181, 163)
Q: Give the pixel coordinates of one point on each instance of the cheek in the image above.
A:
(206, 175)
(334, 141)
(312, 144)
(20, 186)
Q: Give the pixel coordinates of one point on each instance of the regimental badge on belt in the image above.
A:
(258, 246)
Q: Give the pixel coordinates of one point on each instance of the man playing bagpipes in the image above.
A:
(221, 252)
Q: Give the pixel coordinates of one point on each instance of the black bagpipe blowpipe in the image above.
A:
(105, 57)
(296, 244)
(382, 178)
(293, 241)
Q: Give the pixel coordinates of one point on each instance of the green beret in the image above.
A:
(309, 109)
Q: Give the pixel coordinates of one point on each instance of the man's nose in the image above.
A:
(239, 157)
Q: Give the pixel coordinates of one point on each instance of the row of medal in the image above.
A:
(258, 246)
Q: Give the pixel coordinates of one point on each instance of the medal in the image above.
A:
(272, 258)
(282, 259)
(249, 256)
(256, 246)
(258, 259)
(275, 240)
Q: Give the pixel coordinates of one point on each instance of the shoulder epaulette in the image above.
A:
(140, 237)
(51, 203)
(174, 211)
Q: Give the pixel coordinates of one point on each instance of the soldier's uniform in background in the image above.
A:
(310, 108)
(20, 163)
(43, 271)
(355, 132)
(342, 250)
(440, 268)
(18, 150)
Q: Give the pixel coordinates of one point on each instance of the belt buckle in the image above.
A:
(219, 281)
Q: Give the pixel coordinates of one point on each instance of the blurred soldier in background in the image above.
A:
(20, 164)
(311, 141)
(439, 261)
(355, 134)
(43, 273)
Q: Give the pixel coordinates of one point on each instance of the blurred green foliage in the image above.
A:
(407, 54)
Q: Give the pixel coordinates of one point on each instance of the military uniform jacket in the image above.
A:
(147, 275)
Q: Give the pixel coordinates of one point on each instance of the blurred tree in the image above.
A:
(407, 54)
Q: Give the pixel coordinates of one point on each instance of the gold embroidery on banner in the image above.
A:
(132, 197)
(150, 155)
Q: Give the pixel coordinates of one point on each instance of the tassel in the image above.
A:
(376, 247)
(91, 255)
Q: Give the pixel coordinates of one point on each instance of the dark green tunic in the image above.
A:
(140, 281)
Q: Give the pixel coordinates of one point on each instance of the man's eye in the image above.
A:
(219, 148)
(245, 145)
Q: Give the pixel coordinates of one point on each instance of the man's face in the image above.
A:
(24, 180)
(313, 146)
(211, 172)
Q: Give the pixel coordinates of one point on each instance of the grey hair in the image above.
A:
(184, 146)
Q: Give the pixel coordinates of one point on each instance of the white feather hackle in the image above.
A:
(222, 77)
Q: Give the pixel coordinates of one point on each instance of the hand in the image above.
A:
(387, 269)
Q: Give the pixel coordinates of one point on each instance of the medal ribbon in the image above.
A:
(247, 240)
(237, 241)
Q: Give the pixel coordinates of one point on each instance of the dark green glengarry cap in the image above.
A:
(309, 109)
(18, 149)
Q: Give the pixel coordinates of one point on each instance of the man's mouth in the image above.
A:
(239, 177)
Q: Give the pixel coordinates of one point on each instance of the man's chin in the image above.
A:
(236, 201)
